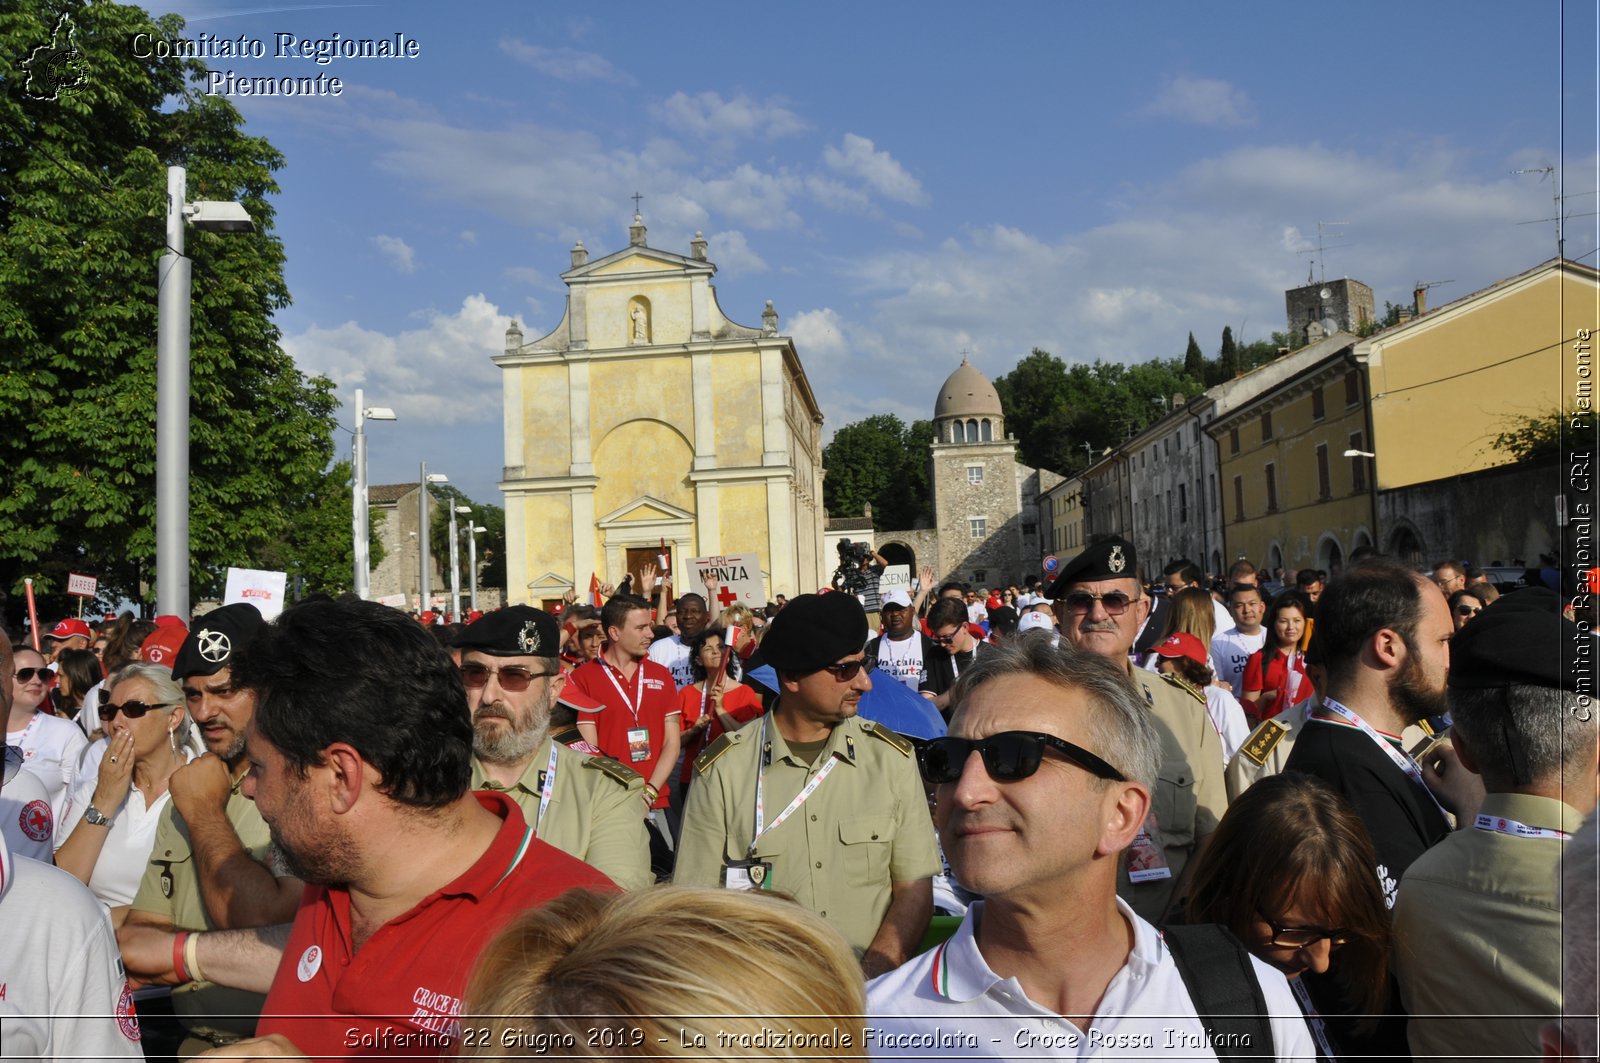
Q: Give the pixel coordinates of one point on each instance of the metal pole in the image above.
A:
(455, 567)
(358, 504)
(424, 591)
(172, 411)
(472, 565)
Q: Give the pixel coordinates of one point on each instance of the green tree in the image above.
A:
(1544, 437)
(1194, 360)
(315, 547)
(882, 461)
(1034, 396)
(491, 543)
(82, 218)
(1228, 362)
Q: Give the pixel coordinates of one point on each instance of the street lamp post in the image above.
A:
(358, 497)
(425, 591)
(455, 562)
(472, 562)
(172, 385)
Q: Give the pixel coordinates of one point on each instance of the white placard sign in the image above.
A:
(394, 601)
(895, 578)
(82, 586)
(731, 579)
(264, 590)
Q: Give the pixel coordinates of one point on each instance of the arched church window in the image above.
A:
(972, 430)
(988, 430)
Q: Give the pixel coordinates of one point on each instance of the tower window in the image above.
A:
(978, 527)
(975, 475)
(988, 430)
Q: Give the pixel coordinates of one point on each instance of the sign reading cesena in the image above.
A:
(731, 579)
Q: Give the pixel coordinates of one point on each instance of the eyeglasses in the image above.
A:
(1299, 937)
(131, 710)
(1468, 610)
(514, 678)
(1115, 602)
(845, 671)
(947, 640)
(1007, 756)
(25, 675)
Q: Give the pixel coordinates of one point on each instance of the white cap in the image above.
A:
(897, 597)
(1036, 620)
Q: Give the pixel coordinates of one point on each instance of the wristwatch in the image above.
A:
(97, 817)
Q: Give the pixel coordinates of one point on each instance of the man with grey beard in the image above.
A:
(586, 806)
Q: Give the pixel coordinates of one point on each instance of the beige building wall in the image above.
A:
(647, 416)
(1447, 382)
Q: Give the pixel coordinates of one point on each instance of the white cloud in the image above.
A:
(469, 237)
(857, 157)
(399, 252)
(710, 117)
(1203, 101)
(565, 64)
(731, 251)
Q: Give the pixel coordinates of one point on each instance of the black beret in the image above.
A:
(1112, 558)
(1520, 638)
(516, 631)
(814, 630)
(216, 638)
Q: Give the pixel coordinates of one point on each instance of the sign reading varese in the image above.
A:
(731, 579)
(264, 590)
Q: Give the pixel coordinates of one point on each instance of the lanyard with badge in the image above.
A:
(1400, 760)
(547, 788)
(638, 737)
(1512, 829)
(750, 873)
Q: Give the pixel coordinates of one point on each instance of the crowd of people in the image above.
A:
(1342, 815)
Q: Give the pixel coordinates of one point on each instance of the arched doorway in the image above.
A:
(1274, 561)
(899, 554)
(1406, 545)
(1330, 556)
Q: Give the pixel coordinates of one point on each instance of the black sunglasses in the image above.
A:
(130, 709)
(25, 675)
(1007, 756)
(513, 677)
(1468, 610)
(1299, 937)
(1115, 602)
(845, 671)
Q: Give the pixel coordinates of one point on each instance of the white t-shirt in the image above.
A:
(27, 823)
(66, 996)
(977, 613)
(50, 749)
(903, 660)
(948, 1003)
(1231, 649)
(1227, 716)
(673, 655)
(128, 843)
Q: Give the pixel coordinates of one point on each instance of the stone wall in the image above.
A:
(1484, 517)
(997, 499)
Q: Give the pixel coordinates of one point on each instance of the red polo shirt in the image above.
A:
(401, 994)
(642, 702)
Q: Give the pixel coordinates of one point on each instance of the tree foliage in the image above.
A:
(882, 461)
(491, 543)
(1545, 437)
(1194, 359)
(82, 227)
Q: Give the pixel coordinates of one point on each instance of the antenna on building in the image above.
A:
(1323, 247)
(1417, 297)
(1555, 197)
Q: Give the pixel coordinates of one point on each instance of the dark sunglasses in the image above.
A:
(1115, 602)
(1468, 610)
(131, 710)
(845, 671)
(1299, 937)
(25, 675)
(1007, 756)
(946, 640)
(513, 677)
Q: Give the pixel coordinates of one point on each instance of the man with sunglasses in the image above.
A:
(213, 865)
(1042, 785)
(958, 649)
(585, 806)
(814, 801)
(1101, 606)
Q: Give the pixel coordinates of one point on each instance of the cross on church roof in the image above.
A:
(636, 197)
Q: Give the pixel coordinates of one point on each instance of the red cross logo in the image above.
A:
(726, 597)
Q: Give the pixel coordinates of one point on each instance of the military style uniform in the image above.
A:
(170, 890)
(1266, 751)
(865, 828)
(1189, 797)
(596, 811)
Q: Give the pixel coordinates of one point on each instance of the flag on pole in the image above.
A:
(594, 590)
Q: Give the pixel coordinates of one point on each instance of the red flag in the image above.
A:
(594, 590)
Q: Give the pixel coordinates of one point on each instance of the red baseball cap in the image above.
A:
(1183, 644)
(577, 700)
(70, 628)
(161, 647)
(168, 620)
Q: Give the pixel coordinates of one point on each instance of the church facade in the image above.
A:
(647, 418)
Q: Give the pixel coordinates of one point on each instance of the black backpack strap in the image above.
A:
(1227, 997)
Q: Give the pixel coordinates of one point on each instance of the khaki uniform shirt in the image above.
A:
(596, 812)
(863, 830)
(1189, 797)
(170, 890)
(1478, 934)
(1266, 751)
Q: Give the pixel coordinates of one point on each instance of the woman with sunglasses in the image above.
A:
(115, 812)
(1464, 605)
(50, 745)
(1292, 873)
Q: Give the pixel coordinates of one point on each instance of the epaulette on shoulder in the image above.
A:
(615, 770)
(897, 741)
(710, 754)
(567, 735)
(1185, 686)
(1263, 740)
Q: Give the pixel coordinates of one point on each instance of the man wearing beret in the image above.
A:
(1478, 927)
(213, 866)
(1101, 605)
(588, 807)
(816, 802)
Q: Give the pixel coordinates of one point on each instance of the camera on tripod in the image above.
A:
(851, 576)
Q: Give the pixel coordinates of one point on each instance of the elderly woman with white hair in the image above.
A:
(117, 808)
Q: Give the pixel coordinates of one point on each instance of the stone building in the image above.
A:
(648, 417)
(1318, 310)
(393, 511)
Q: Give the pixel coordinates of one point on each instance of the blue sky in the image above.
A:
(903, 181)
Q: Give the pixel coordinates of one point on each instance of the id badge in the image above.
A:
(747, 875)
(1146, 860)
(638, 744)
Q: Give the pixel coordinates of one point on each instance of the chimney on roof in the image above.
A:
(1419, 299)
(1178, 399)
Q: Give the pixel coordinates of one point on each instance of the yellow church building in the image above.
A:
(648, 417)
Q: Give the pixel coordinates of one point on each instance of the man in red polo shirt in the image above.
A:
(360, 758)
(638, 719)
